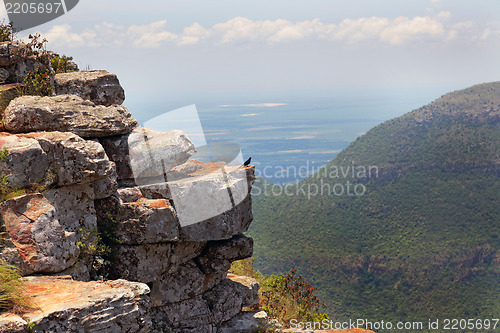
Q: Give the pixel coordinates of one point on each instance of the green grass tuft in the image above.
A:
(12, 293)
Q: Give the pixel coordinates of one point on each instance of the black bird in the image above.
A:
(247, 162)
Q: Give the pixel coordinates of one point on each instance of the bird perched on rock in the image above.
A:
(247, 162)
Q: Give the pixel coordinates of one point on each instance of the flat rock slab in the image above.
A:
(67, 113)
(100, 87)
(66, 305)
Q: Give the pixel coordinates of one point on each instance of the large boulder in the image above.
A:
(24, 162)
(36, 241)
(100, 87)
(48, 158)
(42, 231)
(71, 306)
(74, 160)
(67, 113)
(146, 155)
(222, 200)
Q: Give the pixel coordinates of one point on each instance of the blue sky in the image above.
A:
(233, 46)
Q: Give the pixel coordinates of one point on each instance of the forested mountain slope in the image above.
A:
(422, 241)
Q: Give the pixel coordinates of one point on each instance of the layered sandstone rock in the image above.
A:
(100, 87)
(67, 113)
(88, 194)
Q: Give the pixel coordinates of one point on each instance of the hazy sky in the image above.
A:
(193, 46)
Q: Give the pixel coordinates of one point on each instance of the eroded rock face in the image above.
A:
(72, 306)
(228, 298)
(67, 113)
(42, 230)
(191, 313)
(105, 187)
(100, 87)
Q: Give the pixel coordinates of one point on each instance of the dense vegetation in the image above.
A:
(423, 241)
(284, 296)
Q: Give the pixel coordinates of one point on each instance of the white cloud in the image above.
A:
(242, 28)
(62, 35)
(360, 29)
(193, 34)
(401, 30)
(150, 35)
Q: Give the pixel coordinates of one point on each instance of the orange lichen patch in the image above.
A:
(36, 207)
(7, 139)
(207, 168)
(158, 203)
(151, 203)
(51, 293)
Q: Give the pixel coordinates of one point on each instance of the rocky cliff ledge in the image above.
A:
(70, 187)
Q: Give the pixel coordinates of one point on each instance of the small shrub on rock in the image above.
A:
(38, 83)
